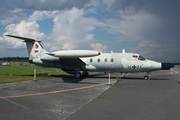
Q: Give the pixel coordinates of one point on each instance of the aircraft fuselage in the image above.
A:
(120, 62)
(115, 62)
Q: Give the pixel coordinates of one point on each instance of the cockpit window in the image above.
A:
(134, 57)
(141, 58)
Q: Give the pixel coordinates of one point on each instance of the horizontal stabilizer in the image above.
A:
(23, 38)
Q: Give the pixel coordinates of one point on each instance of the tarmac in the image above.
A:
(64, 98)
(54, 99)
(136, 99)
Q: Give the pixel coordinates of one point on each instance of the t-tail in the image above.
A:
(34, 48)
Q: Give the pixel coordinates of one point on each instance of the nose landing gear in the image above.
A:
(147, 77)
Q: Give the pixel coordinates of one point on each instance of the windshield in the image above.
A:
(141, 58)
(134, 57)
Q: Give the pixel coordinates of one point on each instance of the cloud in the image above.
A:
(72, 30)
(11, 16)
(25, 29)
(50, 5)
(134, 27)
(157, 51)
(98, 46)
(147, 22)
(41, 15)
(124, 5)
(88, 37)
(152, 20)
(152, 25)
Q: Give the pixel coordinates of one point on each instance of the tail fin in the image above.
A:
(34, 48)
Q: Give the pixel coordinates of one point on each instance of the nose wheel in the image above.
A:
(147, 77)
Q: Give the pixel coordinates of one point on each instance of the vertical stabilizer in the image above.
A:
(34, 48)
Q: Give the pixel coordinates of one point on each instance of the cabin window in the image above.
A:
(112, 60)
(91, 60)
(98, 60)
(105, 60)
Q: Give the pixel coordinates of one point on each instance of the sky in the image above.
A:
(147, 27)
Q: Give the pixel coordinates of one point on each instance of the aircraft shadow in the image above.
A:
(72, 79)
(141, 78)
(69, 78)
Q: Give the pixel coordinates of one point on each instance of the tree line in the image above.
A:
(14, 59)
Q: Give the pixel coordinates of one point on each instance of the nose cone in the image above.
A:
(155, 65)
(166, 66)
(152, 65)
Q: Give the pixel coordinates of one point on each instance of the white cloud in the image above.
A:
(41, 15)
(88, 37)
(25, 29)
(71, 29)
(146, 23)
(98, 47)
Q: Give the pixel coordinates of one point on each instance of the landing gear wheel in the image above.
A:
(77, 75)
(146, 77)
(85, 74)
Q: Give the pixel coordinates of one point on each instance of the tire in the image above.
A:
(85, 74)
(77, 75)
(146, 77)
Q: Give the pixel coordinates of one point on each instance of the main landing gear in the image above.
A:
(77, 75)
(147, 77)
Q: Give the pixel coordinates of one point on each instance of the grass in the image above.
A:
(10, 74)
(118, 79)
(177, 66)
